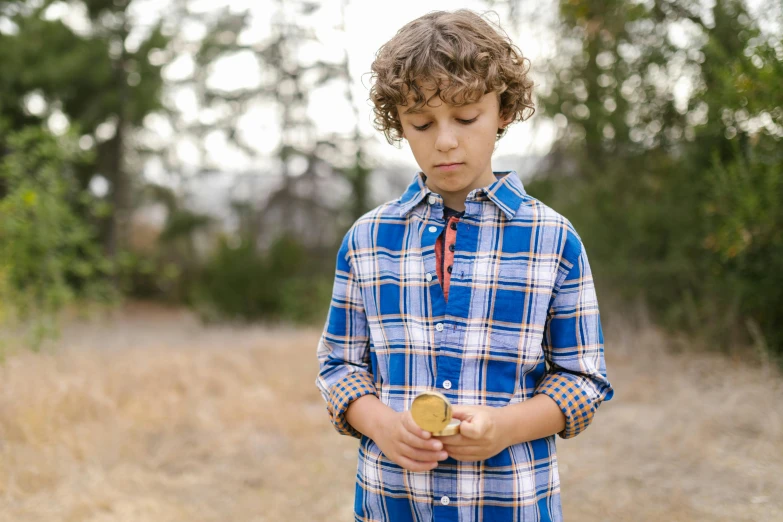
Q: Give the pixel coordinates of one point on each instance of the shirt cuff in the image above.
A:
(342, 394)
(577, 405)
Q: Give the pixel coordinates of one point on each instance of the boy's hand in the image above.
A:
(403, 442)
(480, 435)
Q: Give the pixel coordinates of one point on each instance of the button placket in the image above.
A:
(437, 313)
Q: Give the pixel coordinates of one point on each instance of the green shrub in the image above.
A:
(285, 282)
(49, 255)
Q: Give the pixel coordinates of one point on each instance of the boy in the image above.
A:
(465, 285)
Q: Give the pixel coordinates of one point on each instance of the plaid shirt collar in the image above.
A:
(507, 192)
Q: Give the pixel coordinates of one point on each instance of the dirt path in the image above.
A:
(149, 416)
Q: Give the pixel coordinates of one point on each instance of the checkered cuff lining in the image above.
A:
(342, 394)
(575, 403)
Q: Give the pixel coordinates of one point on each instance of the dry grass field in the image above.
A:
(146, 415)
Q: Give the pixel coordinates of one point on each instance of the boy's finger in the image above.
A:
(424, 455)
(467, 450)
(462, 413)
(467, 457)
(474, 427)
(411, 426)
(414, 465)
(456, 440)
(417, 442)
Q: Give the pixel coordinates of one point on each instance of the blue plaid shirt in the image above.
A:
(521, 319)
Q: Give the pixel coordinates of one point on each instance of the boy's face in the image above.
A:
(453, 145)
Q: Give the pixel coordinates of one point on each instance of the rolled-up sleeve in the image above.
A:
(573, 343)
(344, 348)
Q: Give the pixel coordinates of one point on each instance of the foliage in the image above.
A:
(48, 253)
(101, 77)
(677, 200)
(93, 79)
(285, 282)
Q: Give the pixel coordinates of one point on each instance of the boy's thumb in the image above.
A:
(461, 413)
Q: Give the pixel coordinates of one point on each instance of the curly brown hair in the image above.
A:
(463, 55)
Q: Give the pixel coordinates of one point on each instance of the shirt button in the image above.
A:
(432, 200)
(452, 247)
(445, 500)
(433, 229)
(453, 225)
(428, 277)
(447, 385)
(439, 327)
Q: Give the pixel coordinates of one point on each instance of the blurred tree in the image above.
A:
(283, 282)
(668, 157)
(740, 149)
(99, 79)
(165, 263)
(49, 255)
(291, 63)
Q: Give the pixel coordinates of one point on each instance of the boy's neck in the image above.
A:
(456, 200)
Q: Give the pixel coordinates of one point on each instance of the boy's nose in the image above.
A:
(446, 140)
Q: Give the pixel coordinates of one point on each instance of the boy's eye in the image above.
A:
(464, 122)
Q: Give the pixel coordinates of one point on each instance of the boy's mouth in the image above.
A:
(448, 166)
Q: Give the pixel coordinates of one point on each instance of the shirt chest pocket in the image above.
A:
(519, 308)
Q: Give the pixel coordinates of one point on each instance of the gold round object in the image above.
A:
(451, 429)
(431, 411)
